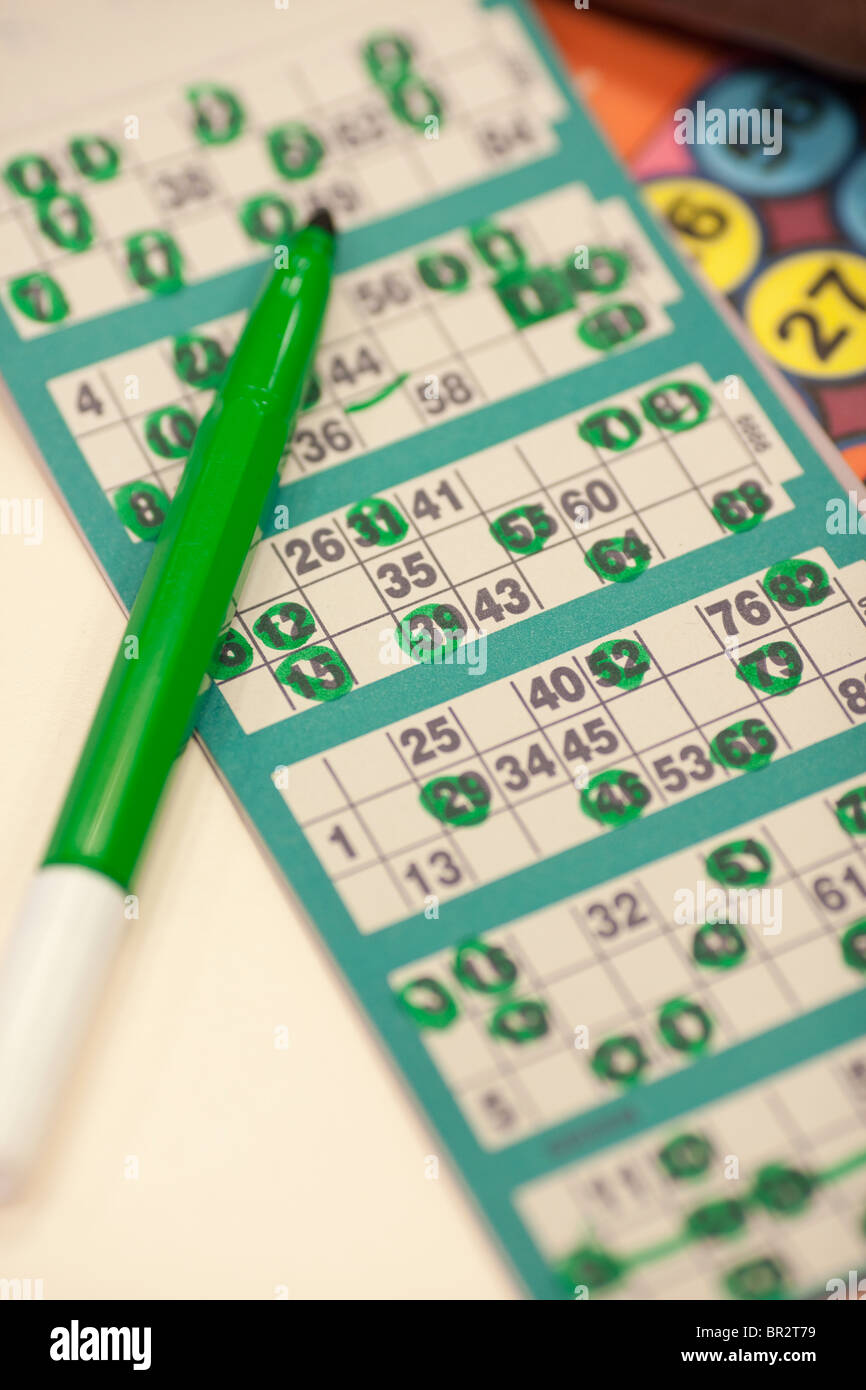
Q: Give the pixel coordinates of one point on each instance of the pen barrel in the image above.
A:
(189, 587)
(147, 706)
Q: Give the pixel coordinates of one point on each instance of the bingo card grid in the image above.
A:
(247, 762)
(608, 960)
(662, 489)
(193, 187)
(360, 805)
(808, 1120)
(464, 342)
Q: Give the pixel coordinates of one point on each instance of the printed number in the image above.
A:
(423, 505)
(783, 656)
(823, 345)
(740, 508)
(365, 127)
(500, 1113)
(623, 912)
(418, 574)
(600, 497)
(853, 692)
(376, 295)
(314, 445)
(39, 297)
(673, 778)
(745, 746)
(851, 811)
(563, 683)
(185, 186)
(325, 544)
(341, 373)
(442, 869)
(740, 863)
(619, 662)
(515, 601)
(518, 778)
(498, 141)
(87, 400)
(453, 390)
(462, 800)
(446, 739)
(748, 607)
(601, 740)
(834, 898)
(795, 584)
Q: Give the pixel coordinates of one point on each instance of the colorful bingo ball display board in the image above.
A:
(778, 224)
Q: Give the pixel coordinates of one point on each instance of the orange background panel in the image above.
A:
(631, 77)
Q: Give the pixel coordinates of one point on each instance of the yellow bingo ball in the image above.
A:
(715, 226)
(808, 312)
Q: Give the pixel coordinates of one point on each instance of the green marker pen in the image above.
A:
(72, 918)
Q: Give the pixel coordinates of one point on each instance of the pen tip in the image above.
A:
(322, 218)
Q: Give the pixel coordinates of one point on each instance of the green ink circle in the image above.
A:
(377, 522)
(232, 657)
(431, 632)
(729, 863)
(440, 270)
(141, 507)
(614, 797)
(719, 946)
(300, 621)
(427, 1002)
(312, 391)
(686, 1156)
(462, 799)
(388, 59)
(676, 1025)
(591, 1268)
(170, 432)
(620, 1059)
(499, 247)
(39, 297)
(606, 272)
(763, 1278)
(474, 955)
(155, 262)
(199, 361)
(94, 157)
(269, 219)
(295, 151)
(851, 811)
(754, 668)
(619, 559)
(794, 584)
(64, 219)
(612, 326)
(331, 677)
(741, 508)
(524, 539)
(717, 1220)
(745, 746)
(413, 101)
(854, 946)
(611, 428)
(676, 405)
(781, 1190)
(520, 1021)
(533, 295)
(620, 663)
(31, 176)
(218, 117)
